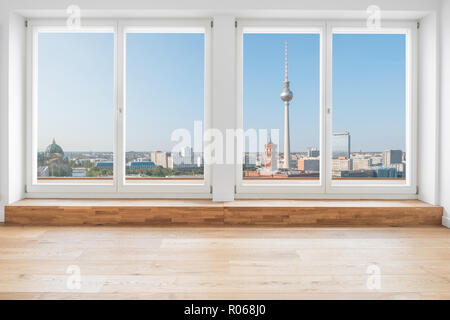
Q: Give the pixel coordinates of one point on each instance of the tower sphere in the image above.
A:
(286, 94)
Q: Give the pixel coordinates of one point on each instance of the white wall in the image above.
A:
(4, 26)
(12, 158)
(12, 161)
(444, 167)
(224, 99)
(227, 6)
(17, 103)
(428, 160)
(11, 67)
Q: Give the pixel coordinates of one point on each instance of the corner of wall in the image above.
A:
(446, 221)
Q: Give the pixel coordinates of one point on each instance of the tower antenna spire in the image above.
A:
(285, 61)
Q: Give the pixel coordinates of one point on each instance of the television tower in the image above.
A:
(286, 96)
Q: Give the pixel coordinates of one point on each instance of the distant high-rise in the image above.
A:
(188, 155)
(392, 157)
(313, 153)
(182, 160)
(250, 160)
(341, 145)
(286, 96)
(160, 158)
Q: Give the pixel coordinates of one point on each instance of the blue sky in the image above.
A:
(263, 83)
(369, 90)
(165, 80)
(76, 91)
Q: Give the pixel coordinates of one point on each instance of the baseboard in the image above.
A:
(236, 213)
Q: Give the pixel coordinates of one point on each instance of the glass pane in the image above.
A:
(369, 106)
(281, 103)
(164, 99)
(75, 112)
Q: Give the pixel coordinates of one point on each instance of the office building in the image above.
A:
(308, 165)
(385, 171)
(361, 164)
(250, 160)
(160, 158)
(313, 153)
(392, 156)
(339, 165)
(183, 160)
(79, 172)
(142, 165)
(106, 165)
(341, 145)
(188, 155)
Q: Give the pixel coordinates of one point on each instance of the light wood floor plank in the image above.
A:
(224, 263)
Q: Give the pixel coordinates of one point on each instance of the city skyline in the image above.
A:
(54, 162)
(245, 152)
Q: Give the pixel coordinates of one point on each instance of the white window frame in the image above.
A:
(59, 186)
(388, 187)
(169, 186)
(291, 188)
(326, 186)
(117, 186)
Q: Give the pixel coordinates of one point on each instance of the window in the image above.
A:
(369, 107)
(366, 122)
(118, 106)
(124, 107)
(280, 97)
(73, 101)
(164, 104)
(371, 132)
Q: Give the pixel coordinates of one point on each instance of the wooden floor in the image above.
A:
(240, 212)
(224, 263)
